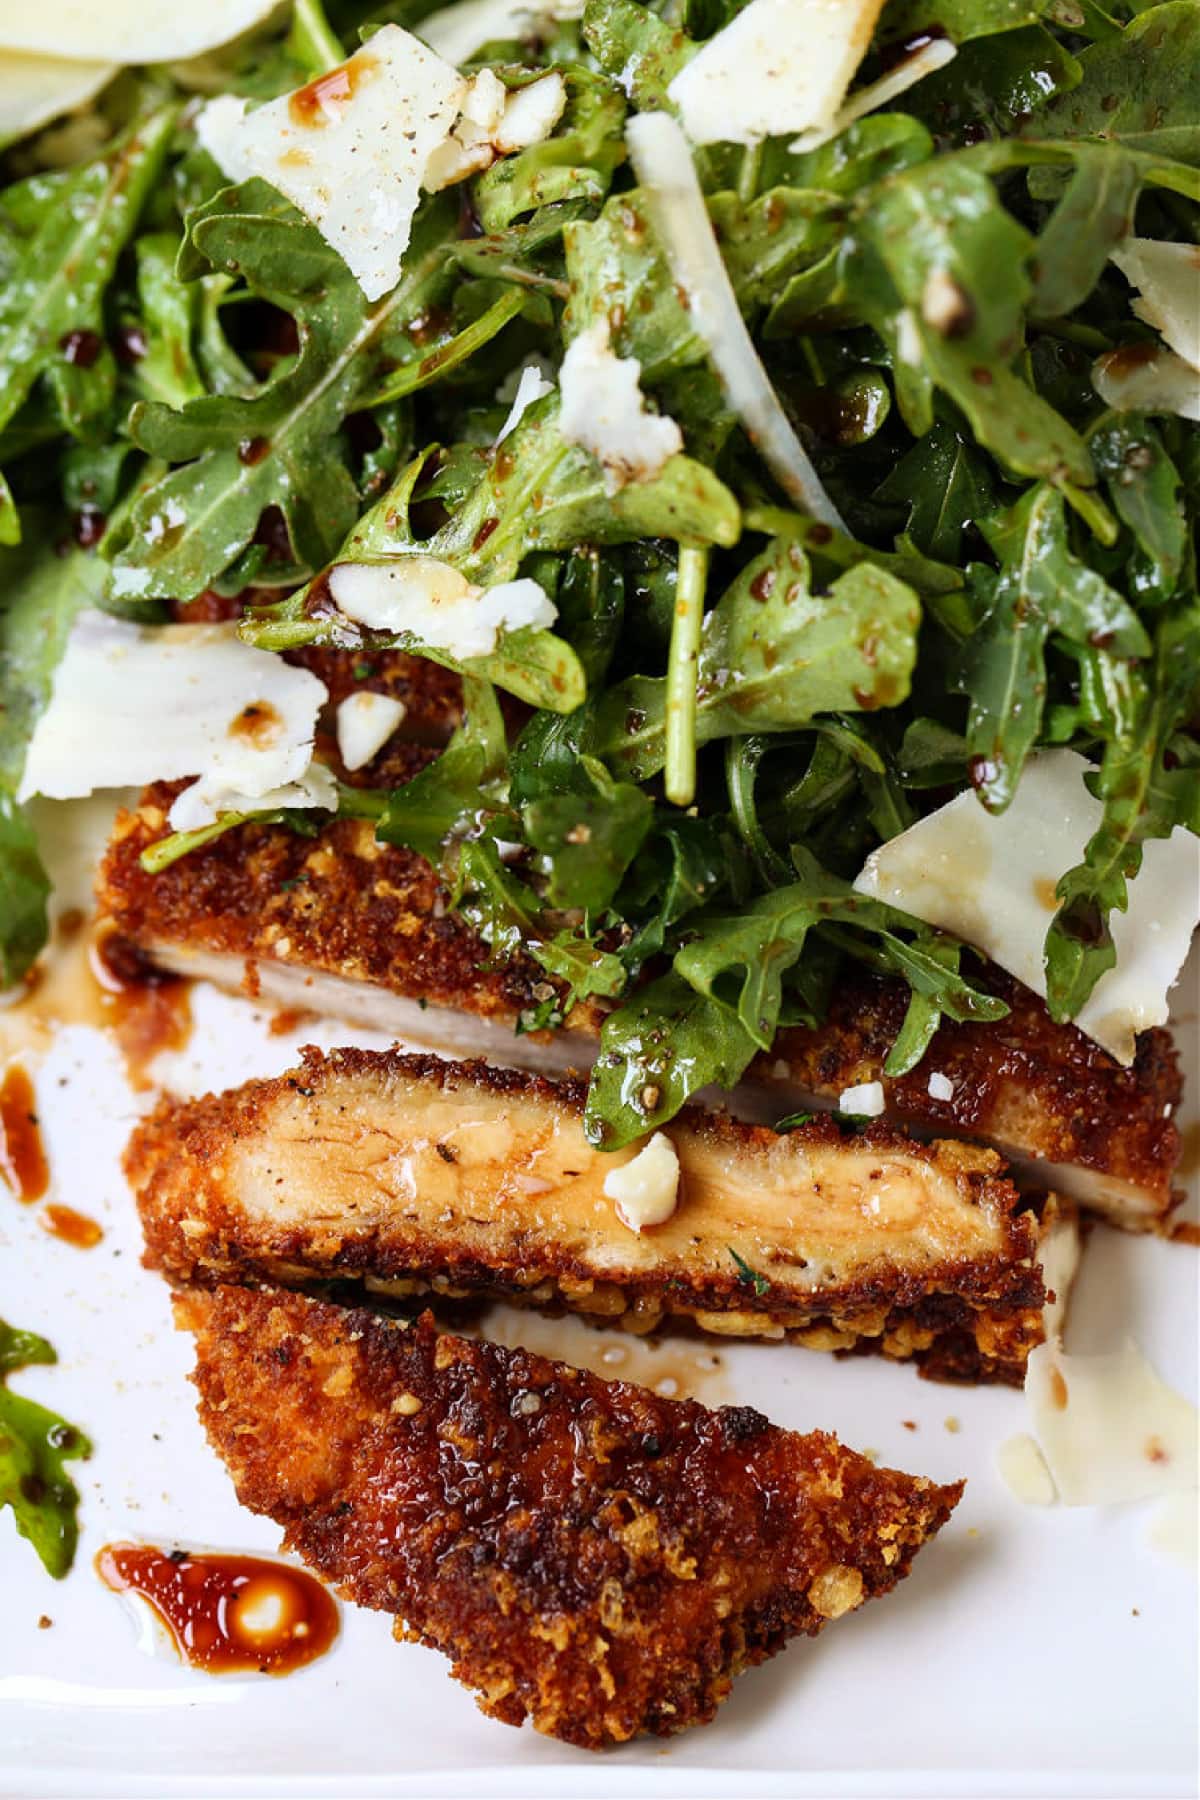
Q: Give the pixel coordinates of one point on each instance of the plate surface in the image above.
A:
(1033, 1651)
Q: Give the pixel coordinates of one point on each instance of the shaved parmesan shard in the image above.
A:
(126, 31)
(133, 704)
(680, 218)
(365, 722)
(1059, 1250)
(940, 1087)
(1167, 277)
(437, 605)
(990, 878)
(1022, 1468)
(603, 411)
(350, 149)
(889, 87)
(205, 800)
(779, 66)
(531, 387)
(1147, 378)
(646, 1190)
(36, 89)
(1110, 1428)
(456, 32)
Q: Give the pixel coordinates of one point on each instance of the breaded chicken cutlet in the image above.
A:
(415, 1174)
(344, 925)
(591, 1557)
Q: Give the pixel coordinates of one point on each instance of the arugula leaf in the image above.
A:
(946, 485)
(282, 446)
(1139, 710)
(40, 594)
(637, 48)
(52, 299)
(445, 800)
(575, 162)
(665, 1044)
(942, 272)
(589, 836)
(1146, 491)
(1042, 588)
(35, 1446)
(1138, 88)
(960, 20)
(506, 914)
(772, 654)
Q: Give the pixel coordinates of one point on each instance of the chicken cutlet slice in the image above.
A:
(422, 1175)
(343, 925)
(1055, 1105)
(591, 1557)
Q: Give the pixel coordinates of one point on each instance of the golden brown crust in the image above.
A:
(413, 1172)
(1049, 1099)
(592, 1557)
(339, 903)
(1041, 1093)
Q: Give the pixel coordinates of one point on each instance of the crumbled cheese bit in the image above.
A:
(531, 113)
(983, 876)
(495, 123)
(365, 722)
(604, 412)
(864, 1102)
(437, 605)
(532, 387)
(646, 1190)
(778, 66)
(350, 149)
(940, 1087)
(143, 31)
(133, 704)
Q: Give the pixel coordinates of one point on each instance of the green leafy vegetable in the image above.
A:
(35, 1447)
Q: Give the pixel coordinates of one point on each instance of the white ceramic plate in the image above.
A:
(1032, 1652)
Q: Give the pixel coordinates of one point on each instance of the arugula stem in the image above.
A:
(311, 40)
(1092, 511)
(425, 369)
(680, 768)
(748, 173)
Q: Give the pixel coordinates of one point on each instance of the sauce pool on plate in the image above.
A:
(227, 1614)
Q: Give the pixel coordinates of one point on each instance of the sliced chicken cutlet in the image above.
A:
(1055, 1105)
(591, 1557)
(341, 924)
(417, 1174)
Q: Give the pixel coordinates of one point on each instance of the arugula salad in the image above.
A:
(784, 423)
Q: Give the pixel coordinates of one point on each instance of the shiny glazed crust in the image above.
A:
(591, 1557)
(414, 1173)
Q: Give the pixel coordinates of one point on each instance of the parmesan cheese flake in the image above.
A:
(350, 149)
(133, 704)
